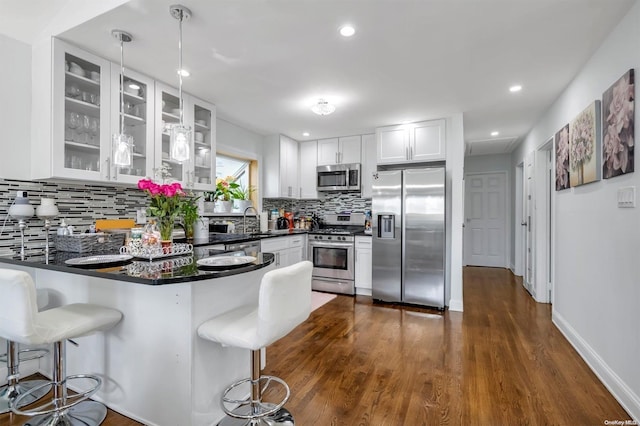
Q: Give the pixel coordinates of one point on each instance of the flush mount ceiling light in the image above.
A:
(515, 88)
(347, 31)
(305, 134)
(495, 133)
(323, 107)
(180, 142)
(122, 144)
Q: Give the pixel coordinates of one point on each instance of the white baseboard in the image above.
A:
(618, 388)
(363, 291)
(456, 305)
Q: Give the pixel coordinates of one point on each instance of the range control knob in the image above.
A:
(328, 238)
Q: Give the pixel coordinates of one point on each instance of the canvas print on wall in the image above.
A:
(584, 146)
(562, 158)
(618, 127)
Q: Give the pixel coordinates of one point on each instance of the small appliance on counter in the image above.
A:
(282, 223)
(222, 227)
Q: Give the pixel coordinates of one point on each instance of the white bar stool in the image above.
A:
(284, 302)
(21, 322)
(12, 358)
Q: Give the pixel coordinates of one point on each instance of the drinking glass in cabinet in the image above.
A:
(73, 91)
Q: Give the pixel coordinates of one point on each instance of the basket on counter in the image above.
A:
(84, 243)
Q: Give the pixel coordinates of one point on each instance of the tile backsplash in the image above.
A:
(327, 203)
(80, 205)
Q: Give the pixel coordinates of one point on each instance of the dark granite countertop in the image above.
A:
(215, 238)
(169, 270)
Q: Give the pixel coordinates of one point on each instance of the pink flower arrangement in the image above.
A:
(166, 203)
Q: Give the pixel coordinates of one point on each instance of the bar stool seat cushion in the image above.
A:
(21, 322)
(284, 302)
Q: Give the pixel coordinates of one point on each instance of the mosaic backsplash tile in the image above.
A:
(79, 204)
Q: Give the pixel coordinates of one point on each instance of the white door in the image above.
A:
(527, 221)
(486, 219)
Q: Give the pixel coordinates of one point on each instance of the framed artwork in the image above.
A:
(618, 127)
(561, 140)
(584, 146)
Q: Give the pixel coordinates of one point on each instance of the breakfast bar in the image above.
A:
(154, 367)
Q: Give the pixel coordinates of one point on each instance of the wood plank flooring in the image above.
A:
(503, 362)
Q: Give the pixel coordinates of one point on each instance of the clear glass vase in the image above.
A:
(165, 224)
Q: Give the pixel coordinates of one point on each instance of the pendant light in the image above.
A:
(180, 142)
(122, 144)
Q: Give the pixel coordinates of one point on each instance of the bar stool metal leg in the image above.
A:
(14, 387)
(63, 412)
(254, 411)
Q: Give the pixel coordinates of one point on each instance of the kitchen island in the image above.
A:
(155, 367)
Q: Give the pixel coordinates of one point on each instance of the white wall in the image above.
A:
(15, 108)
(232, 138)
(487, 163)
(455, 194)
(597, 244)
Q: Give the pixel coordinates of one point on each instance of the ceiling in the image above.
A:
(264, 62)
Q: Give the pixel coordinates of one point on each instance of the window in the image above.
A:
(244, 170)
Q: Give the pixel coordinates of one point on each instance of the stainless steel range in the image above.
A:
(331, 249)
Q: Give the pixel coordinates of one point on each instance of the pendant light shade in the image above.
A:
(122, 144)
(180, 142)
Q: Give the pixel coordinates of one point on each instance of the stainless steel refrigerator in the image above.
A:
(408, 208)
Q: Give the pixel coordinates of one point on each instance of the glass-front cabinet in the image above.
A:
(204, 142)
(86, 113)
(199, 171)
(81, 99)
(138, 116)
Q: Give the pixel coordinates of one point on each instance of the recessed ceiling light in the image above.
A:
(347, 31)
(305, 134)
(495, 133)
(515, 88)
(184, 73)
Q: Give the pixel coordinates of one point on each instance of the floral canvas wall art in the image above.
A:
(618, 127)
(584, 146)
(562, 158)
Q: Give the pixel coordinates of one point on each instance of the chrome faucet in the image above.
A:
(244, 219)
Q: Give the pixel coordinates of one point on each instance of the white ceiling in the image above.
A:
(263, 62)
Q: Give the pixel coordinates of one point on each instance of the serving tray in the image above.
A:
(98, 260)
(225, 262)
(150, 253)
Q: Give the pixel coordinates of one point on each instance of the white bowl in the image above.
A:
(175, 111)
(131, 91)
(202, 122)
(199, 136)
(76, 69)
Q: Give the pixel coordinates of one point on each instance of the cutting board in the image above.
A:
(104, 224)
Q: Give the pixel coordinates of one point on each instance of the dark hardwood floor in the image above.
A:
(503, 362)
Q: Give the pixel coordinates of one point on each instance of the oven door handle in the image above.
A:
(331, 245)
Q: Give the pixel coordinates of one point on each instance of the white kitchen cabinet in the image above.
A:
(199, 171)
(79, 144)
(138, 123)
(203, 170)
(344, 150)
(281, 167)
(369, 165)
(408, 143)
(308, 162)
(287, 250)
(363, 265)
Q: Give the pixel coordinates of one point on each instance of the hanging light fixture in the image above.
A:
(122, 144)
(323, 107)
(180, 142)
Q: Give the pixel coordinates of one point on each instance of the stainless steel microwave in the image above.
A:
(339, 177)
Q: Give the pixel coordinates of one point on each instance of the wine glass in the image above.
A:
(74, 123)
(95, 129)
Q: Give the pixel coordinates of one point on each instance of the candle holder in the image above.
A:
(21, 210)
(47, 210)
